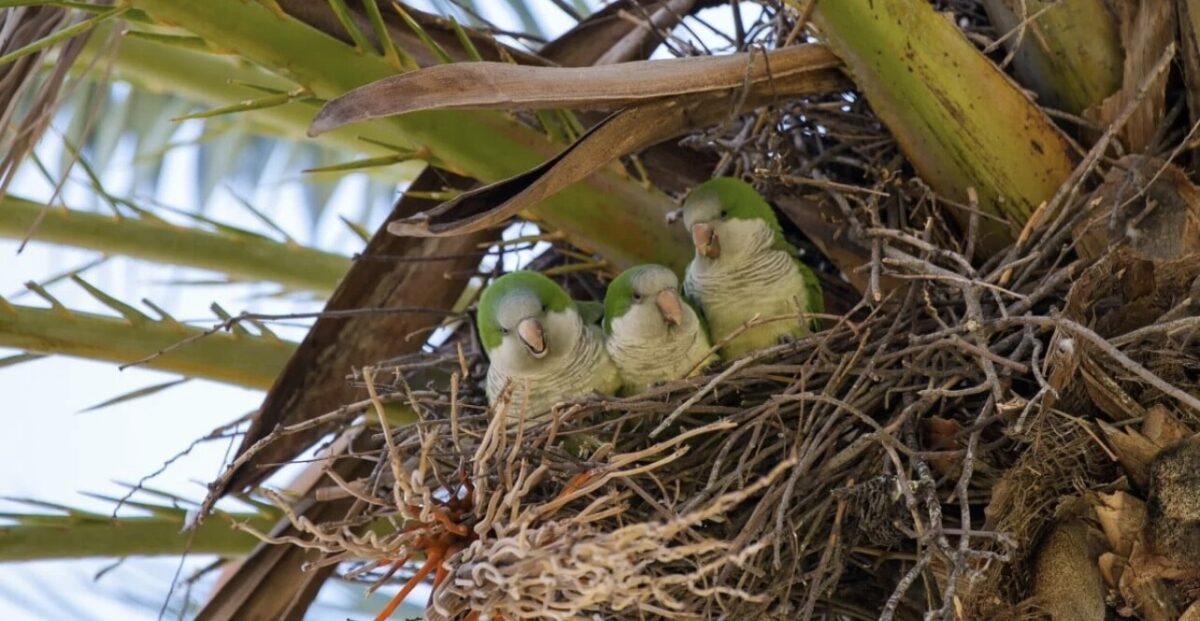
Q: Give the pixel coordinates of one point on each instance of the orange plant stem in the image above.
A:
(432, 561)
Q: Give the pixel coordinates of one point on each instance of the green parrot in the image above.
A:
(536, 339)
(743, 267)
(651, 333)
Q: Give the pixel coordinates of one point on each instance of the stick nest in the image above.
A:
(909, 460)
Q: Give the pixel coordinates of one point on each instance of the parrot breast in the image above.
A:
(765, 283)
(582, 371)
(669, 356)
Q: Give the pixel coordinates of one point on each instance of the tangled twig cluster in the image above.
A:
(904, 462)
(903, 459)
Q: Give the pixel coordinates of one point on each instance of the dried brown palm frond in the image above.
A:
(29, 92)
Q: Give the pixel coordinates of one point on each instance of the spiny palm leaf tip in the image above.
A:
(549, 292)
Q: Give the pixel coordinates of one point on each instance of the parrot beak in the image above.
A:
(705, 239)
(668, 304)
(531, 333)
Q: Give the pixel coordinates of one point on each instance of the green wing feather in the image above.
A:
(782, 244)
(591, 312)
(812, 287)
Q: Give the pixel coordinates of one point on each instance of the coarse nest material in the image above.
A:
(922, 456)
(907, 458)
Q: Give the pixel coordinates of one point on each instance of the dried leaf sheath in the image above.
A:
(622, 133)
(608, 36)
(486, 85)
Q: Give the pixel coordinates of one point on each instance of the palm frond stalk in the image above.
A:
(951, 110)
(237, 254)
(1068, 52)
(233, 358)
(81, 534)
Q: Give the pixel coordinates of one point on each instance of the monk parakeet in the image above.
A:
(653, 335)
(743, 267)
(536, 339)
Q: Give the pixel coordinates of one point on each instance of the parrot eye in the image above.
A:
(637, 297)
(503, 330)
(724, 214)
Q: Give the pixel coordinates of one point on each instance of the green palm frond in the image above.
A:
(529, 23)
(236, 253)
(139, 393)
(62, 35)
(56, 532)
(242, 359)
(607, 213)
(16, 359)
(243, 110)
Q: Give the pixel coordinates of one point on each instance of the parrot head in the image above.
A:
(644, 302)
(728, 220)
(525, 320)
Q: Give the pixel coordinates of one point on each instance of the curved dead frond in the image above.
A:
(29, 38)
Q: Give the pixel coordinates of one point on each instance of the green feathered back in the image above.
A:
(815, 296)
(590, 312)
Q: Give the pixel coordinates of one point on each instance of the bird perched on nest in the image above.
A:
(537, 340)
(743, 267)
(652, 334)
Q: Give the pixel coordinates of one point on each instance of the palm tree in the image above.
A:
(994, 108)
